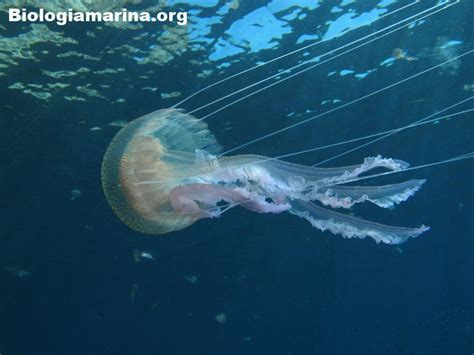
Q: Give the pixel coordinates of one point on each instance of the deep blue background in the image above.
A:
(283, 284)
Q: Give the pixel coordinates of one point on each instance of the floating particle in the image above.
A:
(74, 98)
(133, 293)
(75, 194)
(139, 255)
(413, 101)
(170, 95)
(192, 279)
(149, 88)
(221, 318)
(120, 100)
(95, 129)
(136, 256)
(468, 87)
(119, 123)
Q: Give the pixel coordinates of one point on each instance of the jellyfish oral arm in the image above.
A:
(274, 186)
(386, 196)
(202, 200)
(297, 186)
(351, 227)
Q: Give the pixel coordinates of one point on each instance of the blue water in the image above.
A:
(284, 287)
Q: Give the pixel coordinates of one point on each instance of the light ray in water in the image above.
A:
(284, 129)
(311, 45)
(384, 134)
(320, 63)
(421, 121)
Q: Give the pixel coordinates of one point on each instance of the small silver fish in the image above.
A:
(16, 271)
(191, 279)
(146, 255)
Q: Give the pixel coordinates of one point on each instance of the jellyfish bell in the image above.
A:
(161, 173)
(157, 147)
(400, 54)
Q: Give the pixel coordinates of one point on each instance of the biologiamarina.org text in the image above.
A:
(64, 17)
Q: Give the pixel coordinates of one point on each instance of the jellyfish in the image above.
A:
(166, 170)
(400, 54)
(162, 173)
(447, 49)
